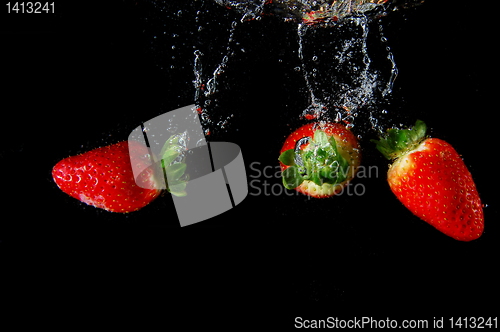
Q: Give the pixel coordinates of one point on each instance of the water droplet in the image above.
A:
(200, 142)
(172, 129)
(298, 145)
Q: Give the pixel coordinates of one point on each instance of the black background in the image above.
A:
(88, 74)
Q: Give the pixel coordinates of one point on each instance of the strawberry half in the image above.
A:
(319, 159)
(430, 178)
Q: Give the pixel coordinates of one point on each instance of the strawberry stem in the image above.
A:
(173, 165)
(397, 142)
(320, 162)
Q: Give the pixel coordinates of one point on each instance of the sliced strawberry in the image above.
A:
(430, 178)
(319, 159)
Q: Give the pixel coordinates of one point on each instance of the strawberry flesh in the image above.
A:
(104, 178)
(430, 178)
(433, 182)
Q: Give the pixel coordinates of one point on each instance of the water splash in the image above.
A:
(339, 72)
(340, 75)
(390, 57)
(315, 11)
(180, 143)
(316, 108)
(206, 86)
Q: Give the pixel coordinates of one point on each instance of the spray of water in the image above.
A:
(315, 11)
(206, 85)
(333, 49)
(339, 72)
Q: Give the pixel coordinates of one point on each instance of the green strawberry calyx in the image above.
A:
(397, 142)
(319, 162)
(173, 155)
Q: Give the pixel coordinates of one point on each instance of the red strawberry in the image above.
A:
(319, 159)
(431, 180)
(104, 178)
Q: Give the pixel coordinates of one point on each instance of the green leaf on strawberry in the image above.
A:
(291, 177)
(320, 163)
(169, 156)
(173, 165)
(178, 189)
(288, 157)
(318, 159)
(399, 141)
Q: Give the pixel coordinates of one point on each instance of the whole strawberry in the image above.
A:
(319, 159)
(430, 178)
(104, 178)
